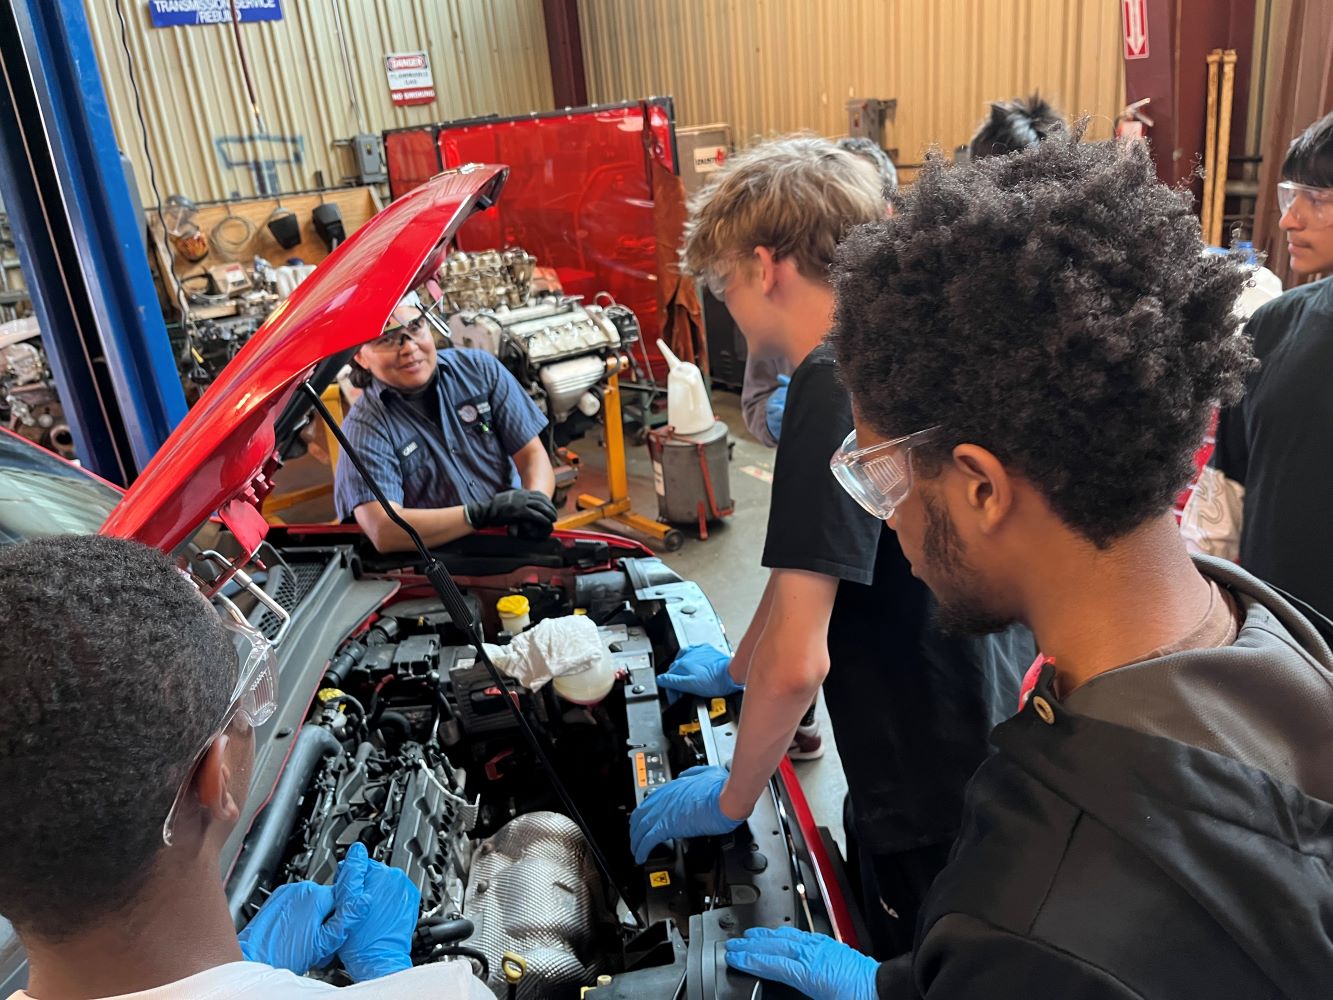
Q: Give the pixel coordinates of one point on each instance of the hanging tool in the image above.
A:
(284, 226)
(231, 235)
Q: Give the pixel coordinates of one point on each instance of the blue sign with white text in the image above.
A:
(169, 13)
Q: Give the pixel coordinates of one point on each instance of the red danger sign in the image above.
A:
(412, 60)
(409, 76)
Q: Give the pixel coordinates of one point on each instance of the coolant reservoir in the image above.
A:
(688, 408)
(514, 611)
(588, 687)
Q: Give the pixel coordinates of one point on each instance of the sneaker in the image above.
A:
(807, 744)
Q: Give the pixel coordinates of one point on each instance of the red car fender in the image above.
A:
(830, 891)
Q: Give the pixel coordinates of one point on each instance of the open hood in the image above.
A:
(221, 458)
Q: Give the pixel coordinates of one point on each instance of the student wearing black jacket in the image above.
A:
(1033, 345)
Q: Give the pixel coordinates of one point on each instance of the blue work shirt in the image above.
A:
(485, 416)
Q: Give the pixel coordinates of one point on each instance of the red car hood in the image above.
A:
(221, 457)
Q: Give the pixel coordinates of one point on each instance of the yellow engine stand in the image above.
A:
(618, 508)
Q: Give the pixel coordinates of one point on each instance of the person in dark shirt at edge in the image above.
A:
(450, 437)
(1266, 498)
(1034, 345)
(910, 708)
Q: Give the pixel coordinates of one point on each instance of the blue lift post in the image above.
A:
(79, 239)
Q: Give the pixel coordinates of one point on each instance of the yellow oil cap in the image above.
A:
(513, 606)
(513, 966)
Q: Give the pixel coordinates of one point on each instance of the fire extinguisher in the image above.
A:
(1131, 122)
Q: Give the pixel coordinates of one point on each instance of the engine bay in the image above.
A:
(409, 748)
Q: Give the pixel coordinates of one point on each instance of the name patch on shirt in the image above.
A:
(408, 449)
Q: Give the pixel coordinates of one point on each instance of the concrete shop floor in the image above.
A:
(727, 566)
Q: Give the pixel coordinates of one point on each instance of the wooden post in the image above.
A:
(1223, 143)
(1210, 149)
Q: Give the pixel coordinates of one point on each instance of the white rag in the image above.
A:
(554, 647)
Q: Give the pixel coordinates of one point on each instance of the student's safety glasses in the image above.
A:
(1315, 203)
(252, 701)
(717, 283)
(717, 278)
(879, 478)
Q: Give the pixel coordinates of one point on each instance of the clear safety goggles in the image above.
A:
(1315, 204)
(252, 702)
(717, 283)
(879, 478)
(719, 275)
(419, 330)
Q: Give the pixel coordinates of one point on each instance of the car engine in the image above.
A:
(409, 749)
(555, 345)
(29, 401)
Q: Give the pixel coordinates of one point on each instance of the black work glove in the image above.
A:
(530, 512)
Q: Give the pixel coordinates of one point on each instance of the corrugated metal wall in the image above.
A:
(769, 66)
(488, 56)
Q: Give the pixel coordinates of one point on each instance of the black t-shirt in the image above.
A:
(911, 709)
(425, 401)
(1278, 443)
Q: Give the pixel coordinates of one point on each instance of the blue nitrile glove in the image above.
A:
(687, 807)
(302, 925)
(776, 405)
(813, 964)
(381, 944)
(701, 670)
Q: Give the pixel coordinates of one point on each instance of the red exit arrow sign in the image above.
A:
(1134, 25)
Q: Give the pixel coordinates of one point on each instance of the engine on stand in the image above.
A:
(224, 318)
(29, 401)
(559, 348)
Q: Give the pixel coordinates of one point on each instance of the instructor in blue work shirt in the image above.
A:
(450, 437)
